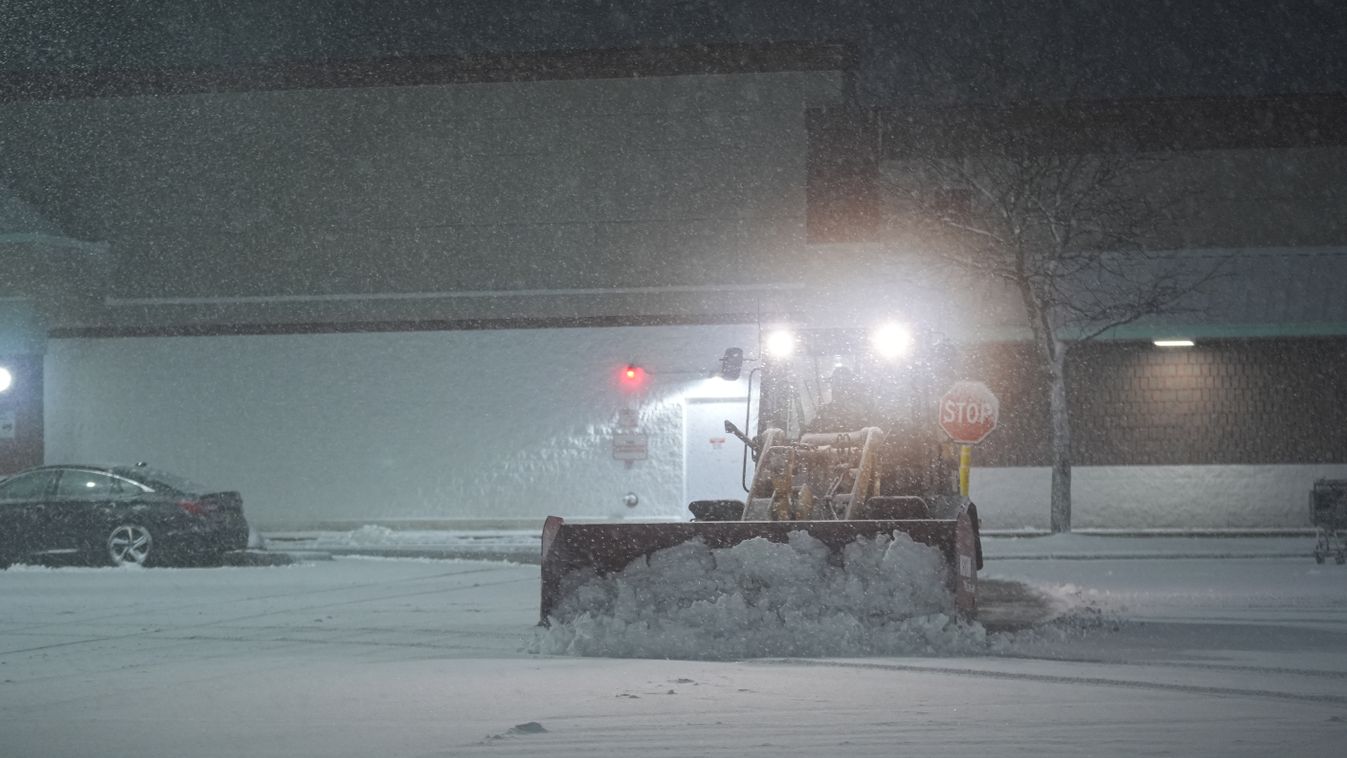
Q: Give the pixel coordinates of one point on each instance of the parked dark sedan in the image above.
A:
(116, 515)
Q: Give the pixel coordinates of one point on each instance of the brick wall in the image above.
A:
(1021, 438)
(1227, 402)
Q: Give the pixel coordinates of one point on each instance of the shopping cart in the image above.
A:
(1328, 513)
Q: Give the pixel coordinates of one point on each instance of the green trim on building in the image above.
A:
(22, 330)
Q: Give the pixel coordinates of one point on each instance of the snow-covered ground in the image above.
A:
(416, 657)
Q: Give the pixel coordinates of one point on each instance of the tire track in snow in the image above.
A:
(163, 628)
(1232, 667)
(134, 609)
(1094, 681)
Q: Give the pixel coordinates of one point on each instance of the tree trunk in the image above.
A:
(1060, 513)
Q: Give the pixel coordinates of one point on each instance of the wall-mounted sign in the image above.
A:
(631, 446)
(626, 418)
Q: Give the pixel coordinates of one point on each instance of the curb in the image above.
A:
(529, 556)
(1144, 556)
(252, 557)
(529, 553)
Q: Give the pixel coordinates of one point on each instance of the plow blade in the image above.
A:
(603, 548)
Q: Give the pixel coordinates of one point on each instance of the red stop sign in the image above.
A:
(968, 412)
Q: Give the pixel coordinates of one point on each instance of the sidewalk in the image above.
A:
(522, 546)
(514, 545)
(1144, 545)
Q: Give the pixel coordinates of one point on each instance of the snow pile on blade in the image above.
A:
(759, 598)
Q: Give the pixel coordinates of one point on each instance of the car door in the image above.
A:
(72, 519)
(24, 499)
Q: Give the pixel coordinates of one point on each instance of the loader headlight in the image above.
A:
(780, 343)
(892, 341)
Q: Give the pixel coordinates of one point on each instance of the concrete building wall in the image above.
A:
(1269, 197)
(1198, 497)
(1229, 199)
(340, 250)
(506, 426)
(492, 187)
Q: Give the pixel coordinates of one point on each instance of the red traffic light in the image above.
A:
(632, 375)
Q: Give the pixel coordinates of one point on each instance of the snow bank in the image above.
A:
(888, 596)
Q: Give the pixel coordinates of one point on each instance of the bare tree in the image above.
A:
(1069, 234)
(1034, 189)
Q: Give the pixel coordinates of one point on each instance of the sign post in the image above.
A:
(968, 413)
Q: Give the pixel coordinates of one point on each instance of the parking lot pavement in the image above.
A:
(399, 657)
(358, 605)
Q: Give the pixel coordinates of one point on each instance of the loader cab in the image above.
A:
(895, 381)
(841, 380)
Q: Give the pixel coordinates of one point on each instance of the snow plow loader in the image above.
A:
(847, 447)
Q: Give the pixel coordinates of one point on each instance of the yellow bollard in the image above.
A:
(965, 465)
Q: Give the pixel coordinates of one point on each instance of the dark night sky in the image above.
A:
(939, 50)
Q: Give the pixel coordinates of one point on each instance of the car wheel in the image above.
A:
(130, 544)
